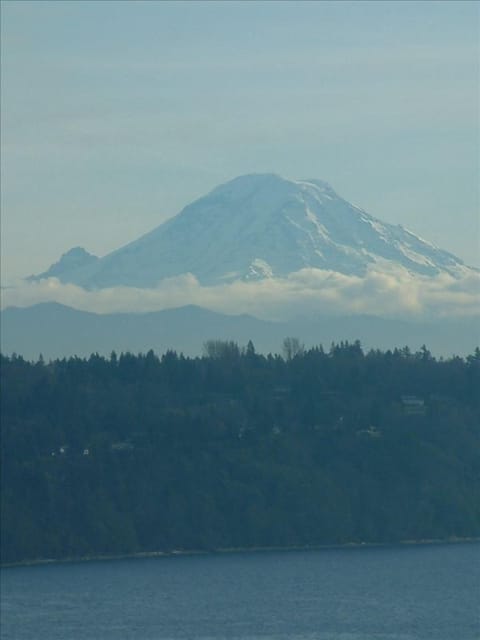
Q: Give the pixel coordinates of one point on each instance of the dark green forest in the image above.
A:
(235, 449)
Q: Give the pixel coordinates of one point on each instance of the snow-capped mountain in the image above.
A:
(254, 227)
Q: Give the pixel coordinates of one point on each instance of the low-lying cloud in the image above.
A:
(387, 293)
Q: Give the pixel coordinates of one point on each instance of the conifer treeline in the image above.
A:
(236, 449)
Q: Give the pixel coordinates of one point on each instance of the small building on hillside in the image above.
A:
(413, 405)
(122, 446)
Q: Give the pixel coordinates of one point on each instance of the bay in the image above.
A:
(375, 593)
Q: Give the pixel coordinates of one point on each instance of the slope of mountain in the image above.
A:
(57, 331)
(260, 226)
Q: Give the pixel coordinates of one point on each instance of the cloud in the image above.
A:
(387, 293)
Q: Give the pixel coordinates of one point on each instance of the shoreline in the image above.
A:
(232, 550)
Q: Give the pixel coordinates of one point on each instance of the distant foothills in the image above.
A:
(234, 449)
(57, 331)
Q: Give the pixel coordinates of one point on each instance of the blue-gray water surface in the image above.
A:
(395, 593)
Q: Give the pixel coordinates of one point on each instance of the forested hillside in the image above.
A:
(235, 449)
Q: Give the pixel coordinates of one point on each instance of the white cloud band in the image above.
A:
(387, 293)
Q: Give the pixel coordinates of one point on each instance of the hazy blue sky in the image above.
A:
(117, 114)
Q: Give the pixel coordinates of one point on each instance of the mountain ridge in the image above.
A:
(57, 330)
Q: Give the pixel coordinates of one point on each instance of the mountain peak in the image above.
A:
(73, 259)
(259, 226)
(251, 183)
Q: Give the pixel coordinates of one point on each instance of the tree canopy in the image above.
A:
(235, 449)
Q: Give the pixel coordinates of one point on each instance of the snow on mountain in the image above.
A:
(260, 226)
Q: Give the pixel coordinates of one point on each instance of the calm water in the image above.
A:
(352, 594)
